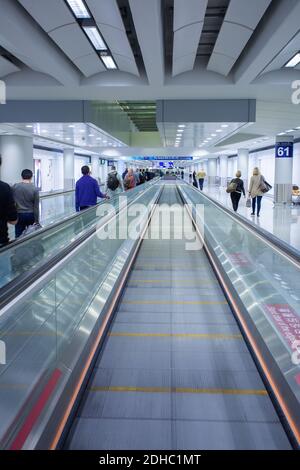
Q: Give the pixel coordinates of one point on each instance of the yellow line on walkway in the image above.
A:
(199, 391)
(171, 280)
(177, 335)
(174, 302)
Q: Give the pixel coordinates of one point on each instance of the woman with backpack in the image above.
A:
(257, 188)
(114, 183)
(236, 189)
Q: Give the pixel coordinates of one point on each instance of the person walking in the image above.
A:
(195, 184)
(254, 190)
(129, 181)
(8, 212)
(87, 191)
(236, 194)
(201, 177)
(114, 182)
(26, 197)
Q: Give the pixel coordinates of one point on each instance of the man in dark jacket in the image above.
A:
(87, 190)
(8, 212)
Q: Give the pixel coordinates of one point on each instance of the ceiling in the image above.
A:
(163, 49)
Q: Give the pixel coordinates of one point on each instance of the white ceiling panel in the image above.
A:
(285, 55)
(186, 40)
(106, 12)
(220, 63)
(183, 64)
(246, 13)
(49, 14)
(241, 19)
(7, 67)
(188, 25)
(72, 40)
(185, 14)
(125, 64)
(89, 64)
(116, 40)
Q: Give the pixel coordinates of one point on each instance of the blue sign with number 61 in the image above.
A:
(284, 150)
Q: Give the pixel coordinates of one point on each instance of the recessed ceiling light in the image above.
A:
(294, 61)
(225, 125)
(44, 131)
(95, 37)
(71, 126)
(109, 62)
(214, 135)
(91, 135)
(209, 138)
(82, 130)
(99, 138)
(181, 125)
(29, 126)
(219, 130)
(290, 130)
(180, 130)
(79, 8)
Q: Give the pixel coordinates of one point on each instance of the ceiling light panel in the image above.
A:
(294, 61)
(79, 9)
(95, 38)
(109, 62)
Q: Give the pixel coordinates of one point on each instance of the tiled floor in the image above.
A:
(282, 221)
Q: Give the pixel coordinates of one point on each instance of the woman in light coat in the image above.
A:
(255, 191)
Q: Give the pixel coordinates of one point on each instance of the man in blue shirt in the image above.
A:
(87, 190)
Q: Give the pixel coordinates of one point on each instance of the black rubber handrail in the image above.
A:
(13, 288)
(56, 224)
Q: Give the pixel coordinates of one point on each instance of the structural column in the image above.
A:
(95, 167)
(212, 170)
(283, 169)
(16, 155)
(223, 170)
(243, 165)
(69, 169)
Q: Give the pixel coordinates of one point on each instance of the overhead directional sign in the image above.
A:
(284, 150)
(162, 159)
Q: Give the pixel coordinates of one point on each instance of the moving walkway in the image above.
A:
(145, 343)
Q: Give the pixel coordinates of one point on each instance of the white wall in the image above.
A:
(52, 169)
(80, 162)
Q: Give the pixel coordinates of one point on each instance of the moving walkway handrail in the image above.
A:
(275, 374)
(277, 242)
(14, 287)
(60, 222)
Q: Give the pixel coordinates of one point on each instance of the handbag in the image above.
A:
(248, 202)
(264, 187)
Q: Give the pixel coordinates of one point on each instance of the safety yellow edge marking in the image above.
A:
(177, 335)
(213, 391)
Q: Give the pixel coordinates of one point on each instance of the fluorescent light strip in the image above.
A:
(79, 8)
(95, 38)
(294, 61)
(109, 62)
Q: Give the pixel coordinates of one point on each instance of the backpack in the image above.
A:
(112, 182)
(232, 187)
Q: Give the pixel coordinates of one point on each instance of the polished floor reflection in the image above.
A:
(281, 221)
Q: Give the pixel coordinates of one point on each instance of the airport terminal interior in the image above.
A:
(150, 251)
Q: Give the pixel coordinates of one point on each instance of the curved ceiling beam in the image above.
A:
(241, 19)
(20, 35)
(188, 25)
